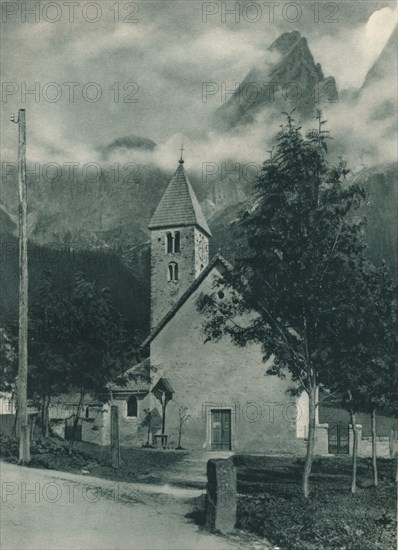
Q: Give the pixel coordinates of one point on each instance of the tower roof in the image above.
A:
(179, 205)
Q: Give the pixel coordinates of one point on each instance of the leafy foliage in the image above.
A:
(78, 341)
(300, 247)
(79, 338)
(302, 269)
(8, 360)
(364, 366)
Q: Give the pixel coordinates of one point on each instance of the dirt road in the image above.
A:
(44, 509)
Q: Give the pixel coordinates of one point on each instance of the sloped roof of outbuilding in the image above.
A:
(137, 379)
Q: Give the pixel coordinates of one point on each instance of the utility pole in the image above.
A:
(22, 379)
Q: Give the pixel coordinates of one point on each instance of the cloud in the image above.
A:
(350, 53)
(170, 53)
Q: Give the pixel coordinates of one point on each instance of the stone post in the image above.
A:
(321, 439)
(221, 495)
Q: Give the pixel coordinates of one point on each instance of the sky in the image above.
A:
(139, 68)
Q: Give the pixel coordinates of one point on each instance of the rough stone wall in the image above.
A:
(208, 375)
(201, 251)
(96, 429)
(165, 293)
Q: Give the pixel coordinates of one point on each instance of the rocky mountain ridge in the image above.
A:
(293, 80)
(104, 222)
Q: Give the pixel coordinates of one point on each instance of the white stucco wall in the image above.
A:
(221, 375)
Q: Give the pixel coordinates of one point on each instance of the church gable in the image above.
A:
(214, 270)
(217, 380)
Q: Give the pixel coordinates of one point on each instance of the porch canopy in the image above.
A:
(163, 388)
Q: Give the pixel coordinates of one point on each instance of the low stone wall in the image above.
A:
(386, 447)
(382, 447)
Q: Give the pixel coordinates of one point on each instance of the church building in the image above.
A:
(191, 391)
(229, 400)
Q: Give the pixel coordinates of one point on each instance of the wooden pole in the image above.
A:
(374, 448)
(115, 448)
(22, 380)
(164, 414)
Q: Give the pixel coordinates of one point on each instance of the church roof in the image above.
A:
(179, 205)
(218, 259)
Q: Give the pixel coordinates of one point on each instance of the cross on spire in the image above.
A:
(181, 161)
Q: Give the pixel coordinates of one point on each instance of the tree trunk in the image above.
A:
(374, 449)
(115, 445)
(149, 430)
(44, 420)
(164, 415)
(32, 424)
(46, 417)
(310, 443)
(76, 422)
(354, 453)
(179, 436)
(42, 407)
(15, 426)
(391, 442)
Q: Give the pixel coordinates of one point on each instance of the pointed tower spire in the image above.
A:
(179, 205)
(179, 244)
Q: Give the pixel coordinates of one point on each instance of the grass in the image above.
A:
(137, 464)
(270, 504)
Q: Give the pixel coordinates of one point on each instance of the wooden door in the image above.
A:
(220, 430)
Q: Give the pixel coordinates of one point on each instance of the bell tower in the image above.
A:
(179, 244)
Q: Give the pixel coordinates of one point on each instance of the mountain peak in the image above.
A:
(286, 41)
(294, 72)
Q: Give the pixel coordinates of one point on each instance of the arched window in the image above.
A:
(172, 273)
(173, 241)
(132, 406)
(87, 412)
(177, 241)
(169, 243)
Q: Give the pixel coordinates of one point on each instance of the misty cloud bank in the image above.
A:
(171, 62)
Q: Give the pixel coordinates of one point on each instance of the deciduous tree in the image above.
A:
(299, 245)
